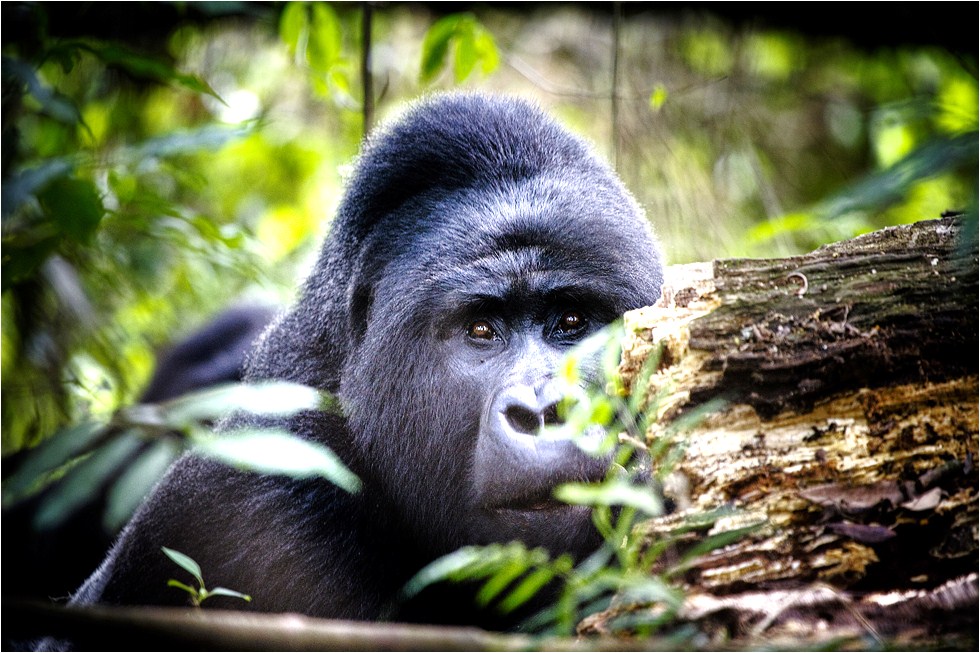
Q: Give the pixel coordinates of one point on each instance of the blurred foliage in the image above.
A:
(155, 173)
(128, 453)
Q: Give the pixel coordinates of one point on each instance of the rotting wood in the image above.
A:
(849, 434)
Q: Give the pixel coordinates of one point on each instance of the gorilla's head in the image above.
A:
(478, 242)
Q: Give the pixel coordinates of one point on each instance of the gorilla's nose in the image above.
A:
(527, 409)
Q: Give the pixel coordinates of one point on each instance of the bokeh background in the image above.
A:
(164, 160)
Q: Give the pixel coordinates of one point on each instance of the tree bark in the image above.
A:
(847, 436)
(845, 448)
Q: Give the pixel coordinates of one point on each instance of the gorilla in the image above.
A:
(476, 243)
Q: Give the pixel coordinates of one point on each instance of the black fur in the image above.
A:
(470, 209)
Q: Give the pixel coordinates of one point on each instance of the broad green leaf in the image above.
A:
(186, 563)
(224, 591)
(292, 25)
(135, 483)
(84, 480)
(618, 492)
(486, 51)
(435, 47)
(49, 455)
(466, 55)
(74, 206)
(271, 399)
(325, 38)
(275, 451)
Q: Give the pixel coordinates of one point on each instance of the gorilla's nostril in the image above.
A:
(551, 417)
(522, 419)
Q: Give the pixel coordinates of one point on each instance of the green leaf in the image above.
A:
(224, 591)
(186, 563)
(435, 47)
(143, 66)
(466, 54)
(277, 451)
(486, 51)
(325, 38)
(271, 399)
(24, 184)
(447, 567)
(639, 588)
(84, 480)
(500, 580)
(617, 492)
(135, 483)
(210, 137)
(187, 588)
(49, 455)
(74, 206)
(293, 24)
(527, 589)
(52, 103)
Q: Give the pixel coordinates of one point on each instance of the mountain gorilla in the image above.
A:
(477, 242)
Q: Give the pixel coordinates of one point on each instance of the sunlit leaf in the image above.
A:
(135, 483)
(210, 137)
(49, 455)
(500, 580)
(271, 399)
(617, 492)
(443, 568)
(186, 563)
(325, 37)
(527, 589)
(83, 480)
(292, 25)
(275, 451)
(435, 47)
(466, 55)
(224, 591)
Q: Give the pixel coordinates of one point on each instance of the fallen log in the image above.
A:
(848, 437)
(847, 441)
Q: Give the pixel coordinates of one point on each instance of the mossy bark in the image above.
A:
(847, 433)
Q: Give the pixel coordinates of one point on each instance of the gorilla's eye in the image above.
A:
(481, 330)
(570, 321)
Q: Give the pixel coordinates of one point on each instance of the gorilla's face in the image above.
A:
(468, 326)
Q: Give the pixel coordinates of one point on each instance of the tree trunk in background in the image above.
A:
(848, 435)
